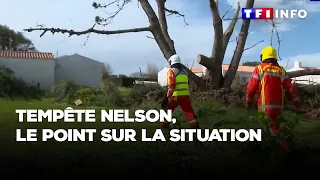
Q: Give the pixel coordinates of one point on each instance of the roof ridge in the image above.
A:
(26, 51)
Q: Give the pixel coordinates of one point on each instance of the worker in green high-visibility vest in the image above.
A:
(178, 91)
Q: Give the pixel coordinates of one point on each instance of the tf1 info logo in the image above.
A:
(271, 13)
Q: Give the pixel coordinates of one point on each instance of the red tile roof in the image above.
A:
(198, 69)
(25, 55)
(241, 68)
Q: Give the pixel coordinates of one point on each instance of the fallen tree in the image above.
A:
(307, 71)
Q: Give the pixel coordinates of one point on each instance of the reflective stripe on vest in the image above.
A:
(279, 72)
(182, 86)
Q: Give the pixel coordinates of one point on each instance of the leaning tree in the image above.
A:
(158, 27)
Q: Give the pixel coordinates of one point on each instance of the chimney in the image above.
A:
(297, 64)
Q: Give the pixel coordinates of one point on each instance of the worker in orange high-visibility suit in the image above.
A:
(270, 80)
(178, 91)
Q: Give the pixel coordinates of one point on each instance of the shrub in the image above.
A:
(89, 96)
(127, 81)
(110, 93)
(105, 94)
(142, 91)
(286, 122)
(11, 87)
(64, 91)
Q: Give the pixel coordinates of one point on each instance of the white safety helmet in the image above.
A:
(174, 59)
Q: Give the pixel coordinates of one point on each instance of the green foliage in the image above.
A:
(251, 63)
(127, 81)
(104, 21)
(88, 95)
(110, 93)
(105, 94)
(64, 91)
(122, 81)
(141, 91)
(13, 87)
(287, 124)
(15, 41)
(160, 154)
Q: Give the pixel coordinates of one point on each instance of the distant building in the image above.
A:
(308, 79)
(243, 74)
(79, 69)
(33, 67)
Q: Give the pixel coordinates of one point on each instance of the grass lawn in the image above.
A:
(173, 158)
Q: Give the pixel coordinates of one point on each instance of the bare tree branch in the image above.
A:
(149, 37)
(229, 31)
(230, 19)
(105, 21)
(157, 27)
(90, 30)
(233, 67)
(226, 12)
(161, 41)
(274, 29)
(164, 24)
(171, 12)
(254, 45)
(88, 36)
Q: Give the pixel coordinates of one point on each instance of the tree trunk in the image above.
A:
(159, 30)
(233, 67)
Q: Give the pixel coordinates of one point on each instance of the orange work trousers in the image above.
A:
(185, 104)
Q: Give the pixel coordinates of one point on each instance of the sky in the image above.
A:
(300, 38)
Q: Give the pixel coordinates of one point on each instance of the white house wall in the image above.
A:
(79, 69)
(243, 77)
(32, 71)
(162, 77)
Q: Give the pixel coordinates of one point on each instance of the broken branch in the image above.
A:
(274, 29)
(227, 12)
(171, 12)
(304, 72)
(254, 45)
